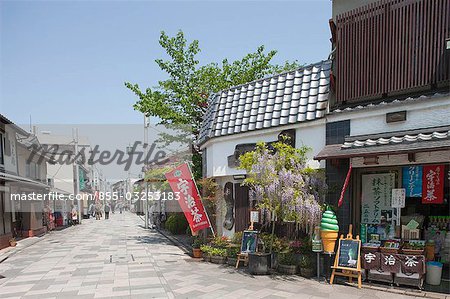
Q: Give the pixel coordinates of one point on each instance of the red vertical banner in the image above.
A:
(182, 184)
(433, 184)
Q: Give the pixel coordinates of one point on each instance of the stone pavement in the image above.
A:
(119, 258)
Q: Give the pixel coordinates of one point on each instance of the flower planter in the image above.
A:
(206, 257)
(287, 269)
(258, 263)
(307, 272)
(196, 252)
(231, 261)
(13, 243)
(216, 259)
(274, 260)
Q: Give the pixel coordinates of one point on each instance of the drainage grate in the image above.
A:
(121, 258)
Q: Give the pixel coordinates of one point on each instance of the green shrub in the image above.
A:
(177, 223)
(218, 252)
(306, 261)
(286, 258)
(206, 249)
(237, 238)
(279, 244)
(233, 250)
(220, 242)
(197, 242)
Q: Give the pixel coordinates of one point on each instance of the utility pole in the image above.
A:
(77, 173)
(146, 125)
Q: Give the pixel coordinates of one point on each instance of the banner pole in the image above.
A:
(206, 212)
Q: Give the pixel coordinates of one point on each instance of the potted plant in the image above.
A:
(287, 263)
(196, 244)
(306, 266)
(259, 263)
(12, 242)
(232, 252)
(281, 183)
(218, 255)
(206, 252)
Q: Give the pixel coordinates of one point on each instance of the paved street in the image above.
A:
(118, 258)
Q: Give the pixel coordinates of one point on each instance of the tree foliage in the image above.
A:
(182, 98)
(280, 182)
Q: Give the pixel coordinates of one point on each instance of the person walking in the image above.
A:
(74, 215)
(98, 211)
(107, 209)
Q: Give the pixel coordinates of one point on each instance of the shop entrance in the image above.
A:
(242, 207)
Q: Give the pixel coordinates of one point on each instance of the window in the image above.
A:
(27, 170)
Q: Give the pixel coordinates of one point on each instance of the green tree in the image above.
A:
(182, 98)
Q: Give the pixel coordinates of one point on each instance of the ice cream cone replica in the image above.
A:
(329, 230)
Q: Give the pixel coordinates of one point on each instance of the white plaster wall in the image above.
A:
(62, 175)
(311, 134)
(427, 113)
(218, 151)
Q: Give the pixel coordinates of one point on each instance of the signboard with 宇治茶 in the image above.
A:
(348, 253)
(433, 184)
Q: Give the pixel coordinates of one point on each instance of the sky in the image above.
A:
(65, 62)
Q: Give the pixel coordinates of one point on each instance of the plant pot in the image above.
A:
(307, 272)
(231, 261)
(12, 243)
(274, 260)
(298, 257)
(287, 269)
(258, 263)
(196, 252)
(206, 257)
(216, 259)
(329, 240)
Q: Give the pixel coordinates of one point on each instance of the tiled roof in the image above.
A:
(429, 139)
(392, 103)
(282, 99)
(407, 138)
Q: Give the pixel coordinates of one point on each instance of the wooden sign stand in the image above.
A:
(347, 271)
(243, 257)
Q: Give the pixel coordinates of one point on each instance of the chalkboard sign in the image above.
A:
(249, 241)
(347, 262)
(348, 253)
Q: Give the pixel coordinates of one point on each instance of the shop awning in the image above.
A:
(423, 140)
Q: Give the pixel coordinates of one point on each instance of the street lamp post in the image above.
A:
(146, 125)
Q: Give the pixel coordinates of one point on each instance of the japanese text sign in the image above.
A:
(180, 180)
(376, 196)
(433, 184)
(398, 198)
(412, 181)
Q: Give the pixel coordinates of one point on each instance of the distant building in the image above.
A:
(21, 174)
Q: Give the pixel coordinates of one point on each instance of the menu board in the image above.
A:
(249, 241)
(348, 253)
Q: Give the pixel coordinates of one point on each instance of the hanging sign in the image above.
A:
(398, 198)
(181, 181)
(376, 196)
(412, 181)
(433, 184)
